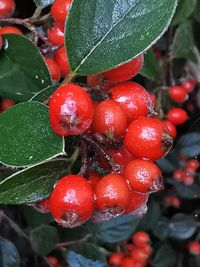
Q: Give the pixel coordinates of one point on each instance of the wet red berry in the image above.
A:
(178, 94)
(126, 71)
(71, 110)
(140, 239)
(7, 7)
(53, 68)
(194, 247)
(143, 176)
(121, 155)
(6, 104)
(133, 98)
(177, 116)
(137, 203)
(94, 178)
(148, 138)
(56, 34)
(178, 175)
(128, 262)
(62, 61)
(189, 85)
(72, 201)
(9, 30)
(60, 9)
(116, 259)
(193, 164)
(139, 254)
(171, 127)
(109, 119)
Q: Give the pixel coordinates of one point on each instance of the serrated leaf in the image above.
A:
(44, 94)
(43, 239)
(23, 71)
(188, 191)
(109, 33)
(164, 256)
(151, 67)
(32, 184)
(26, 135)
(189, 144)
(184, 10)
(43, 3)
(9, 256)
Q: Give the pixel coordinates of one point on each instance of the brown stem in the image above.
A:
(84, 159)
(69, 243)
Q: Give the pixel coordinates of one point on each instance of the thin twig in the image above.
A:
(84, 159)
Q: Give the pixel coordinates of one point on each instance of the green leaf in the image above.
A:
(32, 184)
(26, 135)
(35, 218)
(189, 144)
(102, 34)
(43, 239)
(184, 11)
(197, 11)
(9, 256)
(44, 94)
(43, 3)
(23, 71)
(161, 228)
(151, 67)
(188, 191)
(183, 42)
(165, 256)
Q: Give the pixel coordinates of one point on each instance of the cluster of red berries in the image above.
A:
(54, 261)
(186, 175)
(194, 248)
(134, 254)
(172, 201)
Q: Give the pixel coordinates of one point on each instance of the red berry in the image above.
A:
(194, 248)
(62, 61)
(116, 259)
(43, 206)
(71, 110)
(133, 98)
(53, 260)
(140, 239)
(53, 68)
(177, 116)
(7, 7)
(128, 262)
(109, 119)
(188, 179)
(10, 30)
(93, 80)
(6, 104)
(72, 201)
(173, 201)
(193, 164)
(137, 201)
(153, 98)
(143, 176)
(112, 194)
(121, 155)
(148, 249)
(59, 10)
(139, 254)
(178, 94)
(178, 175)
(56, 34)
(189, 85)
(148, 138)
(1, 42)
(126, 71)
(171, 127)
(94, 178)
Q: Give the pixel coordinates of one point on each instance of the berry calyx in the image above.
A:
(109, 119)
(62, 61)
(7, 7)
(10, 30)
(53, 68)
(126, 71)
(133, 98)
(148, 138)
(72, 201)
(71, 110)
(140, 239)
(143, 176)
(178, 94)
(112, 194)
(60, 9)
(177, 116)
(56, 34)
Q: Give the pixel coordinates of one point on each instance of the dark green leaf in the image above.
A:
(151, 67)
(35, 218)
(23, 71)
(189, 144)
(183, 42)
(182, 226)
(169, 163)
(165, 256)
(161, 229)
(26, 135)
(188, 191)
(77, 260)
(43, 3)
(9, 256)
(43, 239)
(102, 34)
(44, 94)
(32, 184)
(184, 11)
(197, 12)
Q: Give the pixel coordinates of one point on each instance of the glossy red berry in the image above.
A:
(193, 164)
(53, 68)
(137, 203)
(60, 9)
(62, 61)
(153, 98)
(116, 259)
(94, 178)
(71, 110)
(177, 116)
(126, 71)
(141, 239)
(148, 138)
(171, 127)
(7, 7)
(128, 262)
(133, 98)
(194, 248)
(178, 175)
(143, 176)
(109, 119)
(139, 254)
(54, 261)
(72, 201)
(56, 34)
(6, 104)
(10, 30)
(178, 94)
(189, 85)
(112, 194)
(121, 155)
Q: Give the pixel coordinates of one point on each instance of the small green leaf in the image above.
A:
(184, 11)
(9, 256)
(43, 3)
(26, 135)
(109, 33)
(164, 256)
(43, 239)
(151, 67)
(32, 184)
(23, 71)
(44, 94)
